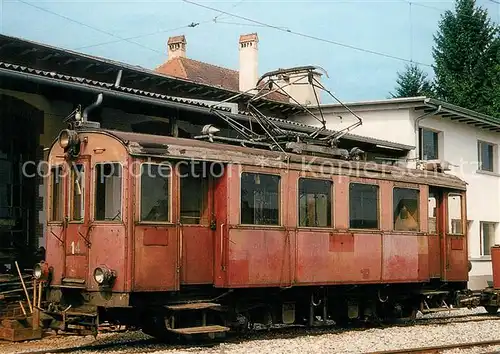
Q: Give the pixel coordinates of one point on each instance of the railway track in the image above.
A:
(151, 344)
(440, 348)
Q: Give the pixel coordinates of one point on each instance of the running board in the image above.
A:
(199, 330)
(441, 309)
(193, 306)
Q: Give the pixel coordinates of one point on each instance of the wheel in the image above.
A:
(492, 310)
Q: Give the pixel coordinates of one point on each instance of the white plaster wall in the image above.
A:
(385, 124)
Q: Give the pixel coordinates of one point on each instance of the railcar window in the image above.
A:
(432, 210)
(315, 203)
(194, 195)
(57, 194)
(155, 193)
(405, 207)
(363, 206)
(108, 192)
(260, 199)
(78, 193)
(455, 214)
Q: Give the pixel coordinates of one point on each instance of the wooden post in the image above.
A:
(40, 294)
(24, 287)
(22, 307)
(34, 292)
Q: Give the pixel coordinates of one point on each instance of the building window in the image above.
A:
(315, 202)
(78, 193)
(363, 206)
(108, 192)
(432, 213)
(194, 196)
(260, 199)
(487, 237)
(455, 218)
(486, 156)
(155, 202)
(57, 194)
(428, 144)
(405, 207)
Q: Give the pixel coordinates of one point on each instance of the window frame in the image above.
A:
(94, 193)
(379, 209)
(71, 218)
(435, 196)
(280, 200)
(449, 220)
(208, 202)
(332, 203)
(51, 198)
(170, 197)
(421, 143)
(480, 143)
(419, 210)
(481, 237)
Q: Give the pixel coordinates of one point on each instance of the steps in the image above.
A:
(200, 330)
(202, 308)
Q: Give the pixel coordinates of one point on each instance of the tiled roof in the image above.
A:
(208, 74)
(201, 72)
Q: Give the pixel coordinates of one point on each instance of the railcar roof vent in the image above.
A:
(436, 165)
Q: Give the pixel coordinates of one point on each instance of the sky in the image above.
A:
(396, 28)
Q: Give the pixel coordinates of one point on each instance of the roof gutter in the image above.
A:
(150, 100)
(417, 126)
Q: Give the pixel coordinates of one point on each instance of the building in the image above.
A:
(245, 79)
(441, 131)
(40, 85)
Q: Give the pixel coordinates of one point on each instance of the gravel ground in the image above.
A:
(358, 341)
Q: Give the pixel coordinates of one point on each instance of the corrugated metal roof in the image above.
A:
(287, 124)
(50, 58)
(81, 80)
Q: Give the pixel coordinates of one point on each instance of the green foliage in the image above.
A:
(412, 82)
(467, 59)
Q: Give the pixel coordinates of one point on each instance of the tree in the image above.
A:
(412, 82)
(467, 57)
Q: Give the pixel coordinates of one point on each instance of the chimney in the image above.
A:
(176, 47)
(249, 72)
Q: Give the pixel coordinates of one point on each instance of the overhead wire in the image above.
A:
(307, 35)
(191, 25)
(88, 26)
(409, 2)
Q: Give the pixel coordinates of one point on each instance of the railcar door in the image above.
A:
(454, 243)
(77, 220)
(196, 223)
(435, 227)
(156, 260)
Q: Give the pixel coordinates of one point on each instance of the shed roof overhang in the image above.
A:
(58, 85)
(48, 58)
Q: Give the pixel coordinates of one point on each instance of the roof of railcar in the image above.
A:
(156, 146)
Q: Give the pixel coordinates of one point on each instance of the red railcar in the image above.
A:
(184, 236)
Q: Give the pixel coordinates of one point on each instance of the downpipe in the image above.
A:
(417, 126)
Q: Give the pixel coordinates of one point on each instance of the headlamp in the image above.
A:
(69, 141)
(104, 275)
